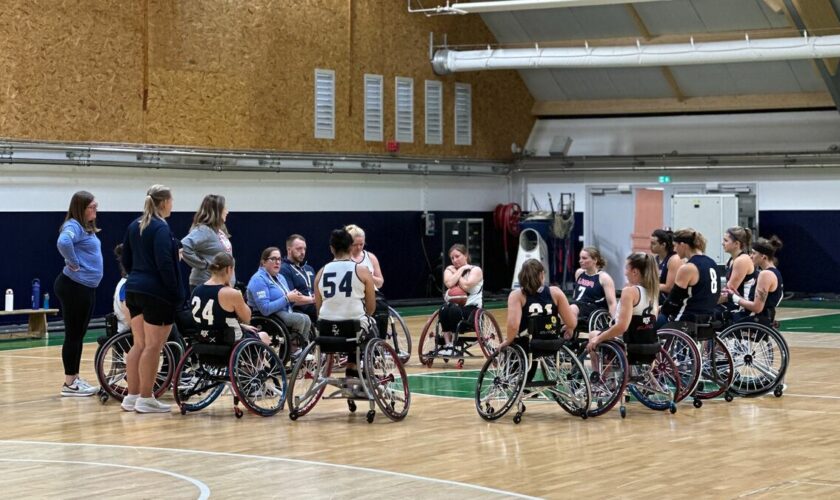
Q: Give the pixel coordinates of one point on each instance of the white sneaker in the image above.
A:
(447, 351)
(150, 405)
(76, 389)
(129, 402)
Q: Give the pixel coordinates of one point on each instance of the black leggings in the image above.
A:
(77, 303)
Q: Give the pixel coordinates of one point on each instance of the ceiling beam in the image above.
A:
(806, 100)
(511, 5)
(667, 74)
(817, 16)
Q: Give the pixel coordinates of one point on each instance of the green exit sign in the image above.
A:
(664, 179)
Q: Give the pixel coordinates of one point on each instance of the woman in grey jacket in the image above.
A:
(208, 236)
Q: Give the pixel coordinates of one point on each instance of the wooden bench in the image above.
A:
(37, 320)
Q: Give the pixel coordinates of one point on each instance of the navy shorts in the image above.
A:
(155, 311)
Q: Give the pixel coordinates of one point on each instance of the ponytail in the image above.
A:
(646, 265)
(155, 197)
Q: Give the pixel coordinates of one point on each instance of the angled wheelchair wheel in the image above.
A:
(572, 390)
(685, 354)
(608, 374)
(488, 332)
(599, 320)
(500, 382)
(398, 335)
(428, 347)
(278, 332)
(652, 384)
(308, 380)
(386, 379)
(198, 382)
(717, 370)
(258, 377)
(760, 358)
(111, 367)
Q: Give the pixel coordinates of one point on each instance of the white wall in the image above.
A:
(690, 134)
(28, 188)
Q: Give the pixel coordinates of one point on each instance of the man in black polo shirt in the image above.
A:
(299, 275)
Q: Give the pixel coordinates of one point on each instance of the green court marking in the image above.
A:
(458, 384)
(823, 324)
(56, 338)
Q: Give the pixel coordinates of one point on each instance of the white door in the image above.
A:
(609, 224)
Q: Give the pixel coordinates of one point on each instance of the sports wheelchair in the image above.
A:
(509, 375)
(705, 364)
(110, 364)
(637, 366)
(397, 335)
(479, 328)
(760, 357)
(254, 371)
(283, 341)
(381, 381)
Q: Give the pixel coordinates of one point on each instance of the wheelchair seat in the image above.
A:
(339, 336)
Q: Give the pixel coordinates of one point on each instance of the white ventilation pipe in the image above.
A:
(771, 49)
(512, 5)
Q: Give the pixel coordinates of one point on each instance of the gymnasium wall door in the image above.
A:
(611, 216)
(649, 216)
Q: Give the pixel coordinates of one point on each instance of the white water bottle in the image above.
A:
(10, 300)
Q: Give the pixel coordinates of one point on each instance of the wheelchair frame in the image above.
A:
(431, 340)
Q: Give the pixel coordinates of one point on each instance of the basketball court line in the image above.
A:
(281, 459)
(204, 491)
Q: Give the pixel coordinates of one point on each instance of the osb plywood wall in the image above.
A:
(236, 74)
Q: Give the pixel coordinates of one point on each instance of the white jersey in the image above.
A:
(366, 261)
(122, 322)
(342, 292)
(645, 305)
(475, 295)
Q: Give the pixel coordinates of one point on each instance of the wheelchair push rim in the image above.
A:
(258, 377)
(488, 332)
(655, 389)
(198, 383)
(111, 365)
(760, 358)
(500, 382)
(572, 390)
(386, 379)
(608, 376)
(398, 335)
(717, 371)
(427, 347)
(308, 380)
(684, 352)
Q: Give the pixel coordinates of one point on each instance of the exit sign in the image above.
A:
(664, 179)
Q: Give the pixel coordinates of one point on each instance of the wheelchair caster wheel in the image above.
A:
(369, 416)
(728, 397)
(517, 418)
(293, 415)
(698, 403)
(183, 410)
(623, 412)
(672, 408)
(523, 409)
(584, 415)
(237, 412)
(103, 397)
(459, 364)
(778, 391)
(446, 361)
(429, 362)
(351, 405)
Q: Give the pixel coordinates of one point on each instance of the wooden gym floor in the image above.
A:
(767, 447)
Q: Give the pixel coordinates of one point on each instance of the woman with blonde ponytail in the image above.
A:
(636, 311)
(153, 293)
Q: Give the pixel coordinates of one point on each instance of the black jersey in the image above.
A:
(588, 289)
(702, 296)
(747, 285)
(774, 298)
(663, 268)
(208, 314)
(540, 304)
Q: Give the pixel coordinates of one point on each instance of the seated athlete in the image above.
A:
(594, 288)
(696, 287)
(768, 291)
(468, 278)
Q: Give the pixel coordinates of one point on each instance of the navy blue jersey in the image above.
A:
(540, 304)
(663, 268)
(702, 296)
(207, 312)
(748, 284)
(774, 298)
(588, 289)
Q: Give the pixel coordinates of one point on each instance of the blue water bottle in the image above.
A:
(46, 301)
(36, 293)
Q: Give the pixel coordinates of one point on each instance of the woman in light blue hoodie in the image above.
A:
(76, 285)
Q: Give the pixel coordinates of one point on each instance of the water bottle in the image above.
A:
(46, 301)
(10, 300)
(36, 293)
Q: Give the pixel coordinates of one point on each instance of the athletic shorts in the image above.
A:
(155, 311)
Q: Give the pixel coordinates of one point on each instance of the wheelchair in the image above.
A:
(255, 372)
(110, 364)
(479, 328)
(382, 380)
(281, 336)
(618, 368)
(510, 376)
(760, 358)
(705, 363)
(397, 335)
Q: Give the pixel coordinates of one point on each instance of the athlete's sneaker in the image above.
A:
(150, 405)
(85, 384)
(77, 389)
(129, 402)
